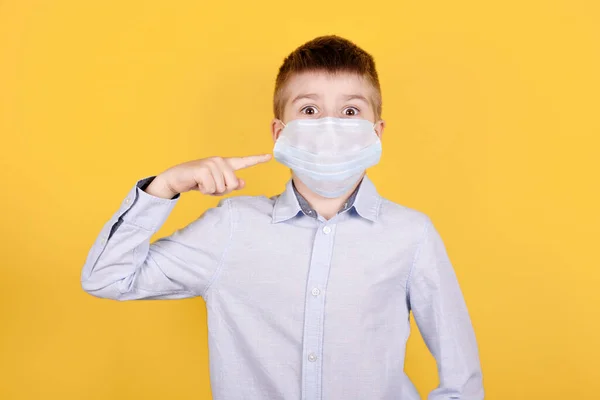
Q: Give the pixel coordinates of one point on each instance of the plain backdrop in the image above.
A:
(492, 113)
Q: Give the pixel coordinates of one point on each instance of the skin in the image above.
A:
(316, 95)
(306, 95)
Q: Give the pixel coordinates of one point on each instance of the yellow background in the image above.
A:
(493, 123)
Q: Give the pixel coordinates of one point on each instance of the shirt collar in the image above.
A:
(286, 204)
(365, 200)
(368, 202)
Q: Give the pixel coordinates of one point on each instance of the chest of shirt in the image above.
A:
(357, 266)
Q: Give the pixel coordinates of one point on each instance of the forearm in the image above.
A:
(121, 249)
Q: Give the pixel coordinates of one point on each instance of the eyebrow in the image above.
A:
(313, 96)
(348, 97)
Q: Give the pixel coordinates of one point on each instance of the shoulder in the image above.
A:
(399, 216)
(244, 206)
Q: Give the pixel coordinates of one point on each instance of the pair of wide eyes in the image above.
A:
(348, 111)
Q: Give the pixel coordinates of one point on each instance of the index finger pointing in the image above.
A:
(245, 162)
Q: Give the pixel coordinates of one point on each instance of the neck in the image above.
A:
(326, 207)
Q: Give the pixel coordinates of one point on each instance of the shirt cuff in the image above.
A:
(145, 210)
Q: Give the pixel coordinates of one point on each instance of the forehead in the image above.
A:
(326, 84)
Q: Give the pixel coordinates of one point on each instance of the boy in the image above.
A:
(308, 293)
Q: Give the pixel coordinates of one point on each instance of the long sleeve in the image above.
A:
(123, 265)
(441, 315)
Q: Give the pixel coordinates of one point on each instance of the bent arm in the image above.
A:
(123, 265)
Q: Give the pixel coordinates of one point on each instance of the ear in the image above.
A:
(276, 128)
(379, 127)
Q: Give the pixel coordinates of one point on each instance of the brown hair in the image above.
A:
(331, 54)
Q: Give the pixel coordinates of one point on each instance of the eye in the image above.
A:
(350, 111)
(309, 110)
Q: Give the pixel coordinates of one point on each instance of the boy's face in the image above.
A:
(311, 95)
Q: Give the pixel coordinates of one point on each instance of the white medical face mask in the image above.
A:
(329, 155)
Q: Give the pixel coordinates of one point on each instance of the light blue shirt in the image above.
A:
(299, 307)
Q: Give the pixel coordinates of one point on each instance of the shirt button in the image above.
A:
(327, 230)
(312, 357)
(315, 291)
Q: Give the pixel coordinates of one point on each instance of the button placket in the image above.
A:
(314, 311)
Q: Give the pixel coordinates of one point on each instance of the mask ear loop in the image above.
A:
(375, 124)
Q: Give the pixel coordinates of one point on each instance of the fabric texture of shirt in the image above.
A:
(299, 307)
